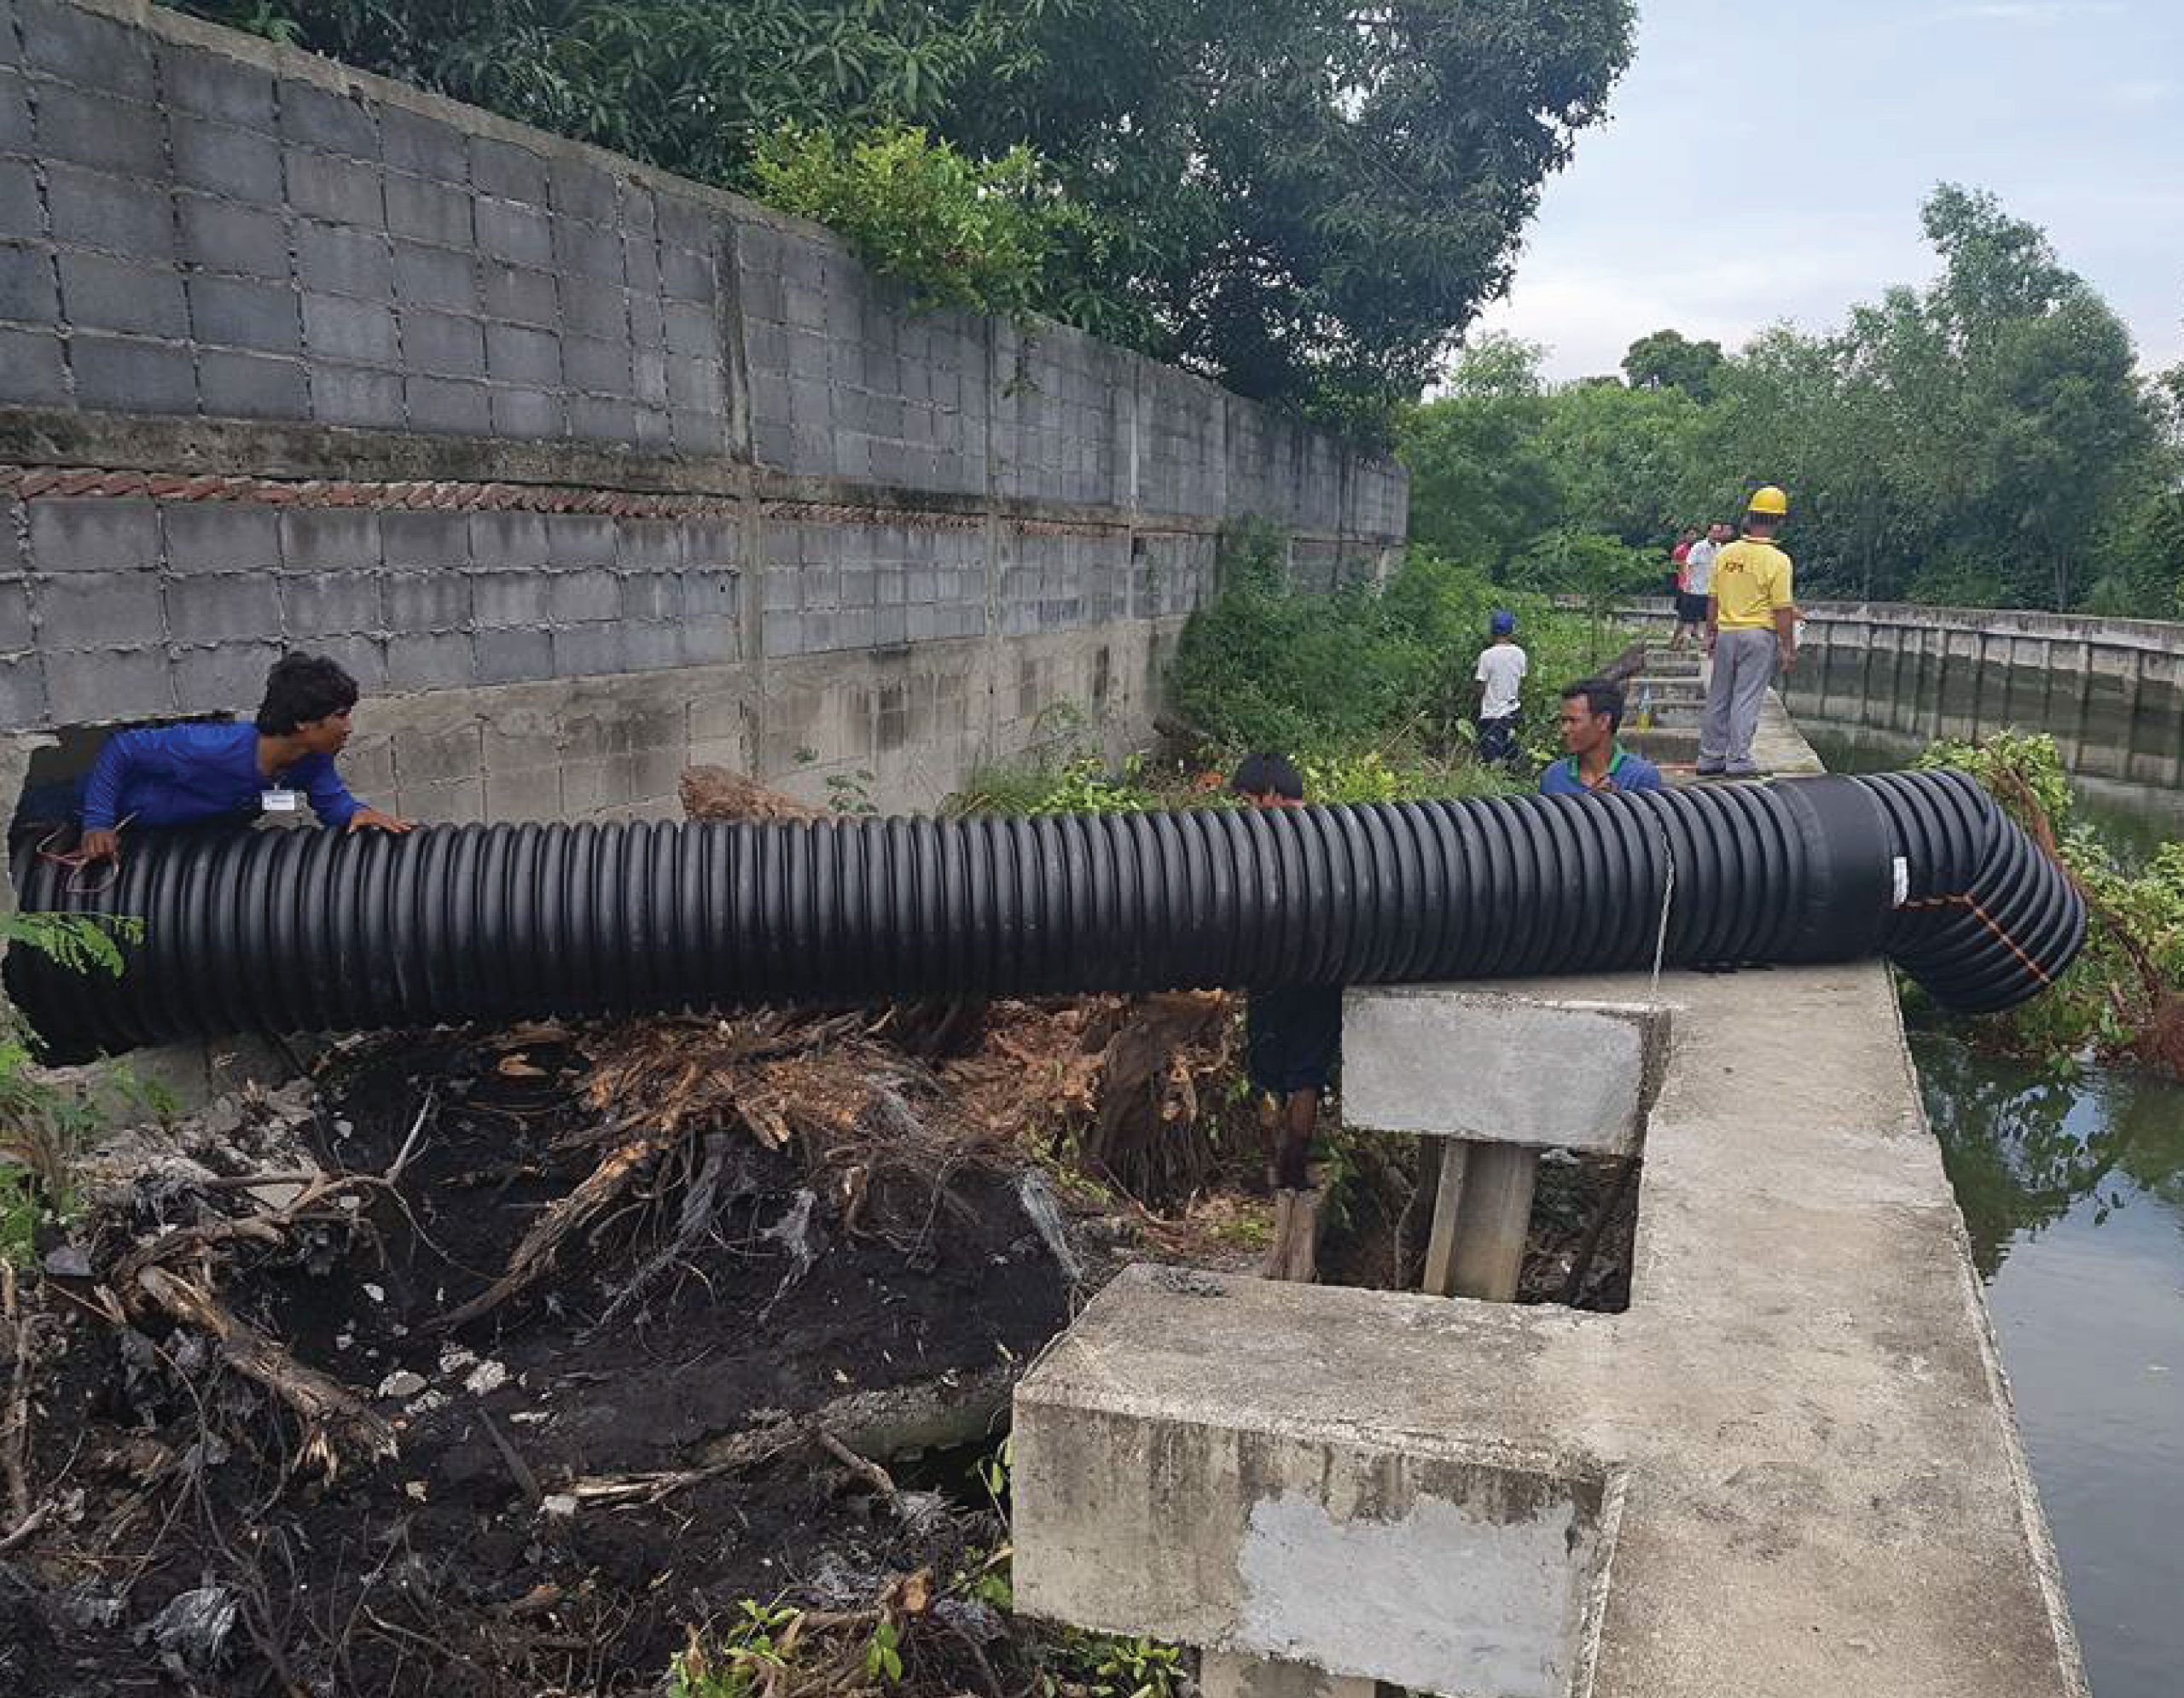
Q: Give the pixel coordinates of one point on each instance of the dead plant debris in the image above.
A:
(552, 1359)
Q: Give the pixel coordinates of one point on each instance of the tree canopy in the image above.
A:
(1305, 199)
(1666, 360)
(1987, 439)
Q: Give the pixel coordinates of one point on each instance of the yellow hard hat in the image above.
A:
(1771, 502)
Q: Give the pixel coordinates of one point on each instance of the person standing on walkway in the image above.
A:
(1698, 583)
(1680, 590)
(1752, 628)
(1500, 676)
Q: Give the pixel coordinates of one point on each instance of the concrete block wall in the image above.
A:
(296, 357)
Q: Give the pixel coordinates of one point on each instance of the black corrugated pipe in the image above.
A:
(297, 931)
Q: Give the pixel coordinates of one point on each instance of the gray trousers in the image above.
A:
(1744, 666)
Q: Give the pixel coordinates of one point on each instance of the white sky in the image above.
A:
(1765, 159)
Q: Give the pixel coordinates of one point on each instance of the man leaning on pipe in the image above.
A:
(230, 772)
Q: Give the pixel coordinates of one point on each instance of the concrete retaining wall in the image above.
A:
(533, 437)
(2110, 691)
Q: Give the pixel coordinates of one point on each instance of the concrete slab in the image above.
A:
(1157, 1491)
(1449, 1061)
(1801, 1416)
(1223, 1675)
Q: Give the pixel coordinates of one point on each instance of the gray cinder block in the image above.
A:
(100, 610)
(220, 536)
(210, 607)
(232, 312)
(240, 386)
(123, 374)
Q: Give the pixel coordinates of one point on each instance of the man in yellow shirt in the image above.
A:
(1752, 626)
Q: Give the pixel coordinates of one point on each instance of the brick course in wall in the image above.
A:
(292, 356)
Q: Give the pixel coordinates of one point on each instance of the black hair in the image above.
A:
(1260, 774)
(1601, 697)
(301, 688)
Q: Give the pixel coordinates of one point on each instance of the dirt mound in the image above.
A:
(281, 1442)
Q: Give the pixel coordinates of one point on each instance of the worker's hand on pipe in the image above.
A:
(101, 846)
(371, 819)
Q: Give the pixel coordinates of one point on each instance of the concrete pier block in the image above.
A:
(1501, 1065)
(1159, 1491)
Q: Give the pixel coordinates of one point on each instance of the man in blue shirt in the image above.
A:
(1591, 713)
(181, 775)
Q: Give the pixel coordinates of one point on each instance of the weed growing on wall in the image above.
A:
(983, 234)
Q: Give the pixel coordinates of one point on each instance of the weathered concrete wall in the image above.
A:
(293, 356)
(2112, 691)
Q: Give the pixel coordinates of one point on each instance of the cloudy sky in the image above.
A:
(1765, 159)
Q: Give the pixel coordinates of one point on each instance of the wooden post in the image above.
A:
(1448, 1203)
(1482, 1217)
(1293, 1252)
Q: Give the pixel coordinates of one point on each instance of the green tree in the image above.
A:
(1624, 460)
(1667, 360)
(1303, 198)
(1978, 440)
(955, 231)
(1481, 486)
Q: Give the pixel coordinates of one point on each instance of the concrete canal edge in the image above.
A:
(1790, 1470)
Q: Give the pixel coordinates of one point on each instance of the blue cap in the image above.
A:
(1504, 623)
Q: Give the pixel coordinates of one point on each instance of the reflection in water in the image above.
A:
(2073, 1193)
(2025, 1148)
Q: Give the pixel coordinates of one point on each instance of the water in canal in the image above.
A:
(2073, 1192)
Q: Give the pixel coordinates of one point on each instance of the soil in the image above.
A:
(473, 1561)
(655, 1423)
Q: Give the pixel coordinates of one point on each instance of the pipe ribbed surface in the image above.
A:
(302, 930)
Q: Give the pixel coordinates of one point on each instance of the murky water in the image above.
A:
(2073, 1192)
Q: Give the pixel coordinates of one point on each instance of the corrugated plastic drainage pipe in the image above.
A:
(300, 930)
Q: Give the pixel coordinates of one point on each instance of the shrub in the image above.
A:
(1370, 667)
(41, 1122)
(978, 234)
(2123, 997)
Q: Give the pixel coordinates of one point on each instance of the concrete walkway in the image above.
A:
(1790, 1470)
(1677, 685)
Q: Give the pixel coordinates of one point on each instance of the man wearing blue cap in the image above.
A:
(1499, 676)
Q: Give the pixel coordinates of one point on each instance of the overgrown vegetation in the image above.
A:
(914, 1638)
(1373, 672)
(1984, 440)
(985, 234)
(1302, 201)
(41, 1122)
(2122, 999)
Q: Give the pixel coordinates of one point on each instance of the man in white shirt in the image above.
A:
(1500, 676)
(1698, 583)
